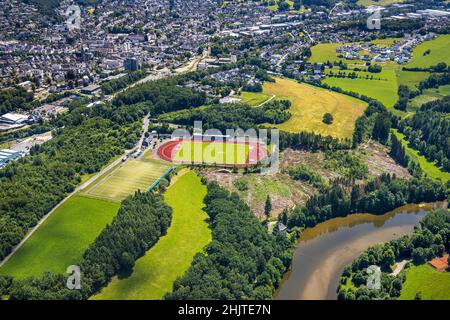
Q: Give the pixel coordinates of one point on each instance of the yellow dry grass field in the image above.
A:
(309, 104)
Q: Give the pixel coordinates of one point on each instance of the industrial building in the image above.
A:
(7, 155)
(13, 118)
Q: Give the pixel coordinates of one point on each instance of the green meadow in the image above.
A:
(154, 274)
(62, 238)
(433, 284)
(253, 98)
(383, 86)
(438, 52)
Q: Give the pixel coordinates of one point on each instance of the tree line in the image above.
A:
(142, 219)
(377, 196)
(121, 83)
(243, 261)
(232, 116)
(428, 130)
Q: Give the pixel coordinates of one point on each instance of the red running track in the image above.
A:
(257, 152)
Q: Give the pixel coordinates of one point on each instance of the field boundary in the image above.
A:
(165, 174)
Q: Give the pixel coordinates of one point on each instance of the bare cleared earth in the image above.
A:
(288, 193)
(374, 154)
(379, 161)
(283, 191)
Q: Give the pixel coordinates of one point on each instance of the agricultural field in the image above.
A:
(62, 238)
(136, 174)
(438, 52)
(384, 85)
(428, 167)
(381, 86)
(410, 78)
(154, 274)
(433, 284)
(310, 103)
(384, 90)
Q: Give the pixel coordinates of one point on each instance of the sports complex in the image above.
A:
(221, 153)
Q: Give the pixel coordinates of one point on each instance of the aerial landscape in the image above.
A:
(211, 150)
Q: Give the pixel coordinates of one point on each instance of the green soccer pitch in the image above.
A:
(212, 153)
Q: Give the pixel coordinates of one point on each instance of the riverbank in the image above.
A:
(324, 250)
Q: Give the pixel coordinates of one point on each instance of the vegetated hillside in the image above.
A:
(428, 131)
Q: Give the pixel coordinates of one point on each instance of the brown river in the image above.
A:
(324, 250)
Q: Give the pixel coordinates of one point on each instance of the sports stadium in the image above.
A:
(221, 153)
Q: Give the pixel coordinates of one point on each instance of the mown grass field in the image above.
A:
(154, 274)
(385, 84)
(62, 238)
(428, 167)
(382, 87)
(384, 91)
(438, 52)
(253, 98)
(434, 285)
(129, 177)
(310, 103)
(324, 52)
(212, 153)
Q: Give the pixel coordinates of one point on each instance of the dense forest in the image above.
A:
(85, 141)
(428, 131)
(431, 240)
(121, 83)
(375, 123)
(377, 196)
(243, 261)
(311, 142)
(13, 99)
(32, 186)
(161, 96)
(232, 116)
(142, 219)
